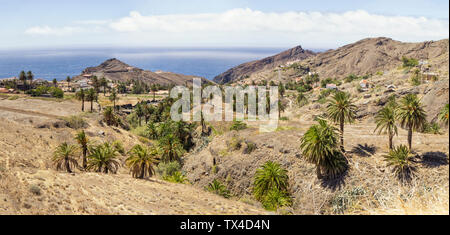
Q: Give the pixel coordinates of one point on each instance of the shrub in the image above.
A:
(250, 147)
(415, 80)
(235, 143)
(168, 169)
(56, 92)
(218, 188)
(75, 122)
(400, 159)
(432, 128)
(176, 177)
(238, 125)
(341, 202)
(34, 189)
(284, 119)
(409, 62)
(276, 199)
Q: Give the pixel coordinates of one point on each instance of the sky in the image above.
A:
(31, 24)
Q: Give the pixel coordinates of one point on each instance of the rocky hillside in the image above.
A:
(244, 70)
(367, 56)
(117, 70)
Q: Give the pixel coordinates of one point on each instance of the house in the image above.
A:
(331, 86)
(3, 90)
(88, 75)
(364, 84)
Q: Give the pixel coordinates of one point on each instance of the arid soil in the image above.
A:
(29, 183)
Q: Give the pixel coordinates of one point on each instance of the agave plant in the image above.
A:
(64, 157)
(142, 161)
(176, 177)
(103, 158)
(400, 159)
(271, 176)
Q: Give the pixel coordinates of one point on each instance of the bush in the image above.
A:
(34, 189)
(238, 125)
(75, 122)
(250, 147)
(176, 177)
(56, 92)
(409, 62)
(235, 143)
(432, 128)
(284, 119)
(415, 80)
(218, 188)
(168, 169)
(341, 202)
(276, 199)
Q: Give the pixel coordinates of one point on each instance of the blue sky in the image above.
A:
(216, 23)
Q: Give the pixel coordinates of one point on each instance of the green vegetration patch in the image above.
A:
(218, 188)
(238, 125)
(75, 122)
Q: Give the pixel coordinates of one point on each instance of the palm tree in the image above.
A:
(443, 115)
(271, 176)
(64, 157)
(320, 146)
(83, 141)
(148, 111)
(81, 95)
(301, 99)
(171, 148)
(142, 161)
(30, 78)
(385, 120)
(109, 117)
(218, 188)
(114, 97)
(68, 80)
(154, 90)
(91, 96)
(412, 115)
(55, 82)
(104, 84)
(139, 112)
(23, 78)
(400, 158)
(341, 110)
(103, 157)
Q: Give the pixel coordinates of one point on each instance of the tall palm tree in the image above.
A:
(114, 97)
(341, 110)
(55, 82)
(148, 111)
(443, 115)
(81, 95)
(23, 79)
(91, 96)
(30, 78)
(104, 84)
(271, 176)
(83, 141)
(64, 157)
(385, 120)
(320, 146)
(139, 112)
(109, 117)
(68, 80)
(171, 148)
(142, 161)
(103, 158)
(412, 115)
(154, 89)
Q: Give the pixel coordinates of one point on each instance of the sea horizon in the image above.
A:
(206, 62)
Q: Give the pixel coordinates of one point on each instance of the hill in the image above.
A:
(116, 70)
(244, 70)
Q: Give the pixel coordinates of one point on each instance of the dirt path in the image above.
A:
(33, 113)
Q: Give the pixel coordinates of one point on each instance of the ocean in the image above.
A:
(60, 63)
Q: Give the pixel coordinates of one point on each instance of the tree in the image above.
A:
(104, 84)
(64, 157)
(109, 117)
(412, 115)
(68, 80)
(142, 161)
(23, 78)
(91, 96)
(55, 82)
(147, 112)
(271, 176)
(103, 158)
(400, 159)
(114, 97)
(96, 84)
(154, 90)
(81, 95)
(83, 141)
(139, 112)
(320, 147)
(281, 89)
(30, 78)
(385, 120)
(301, 99)
(171, 148)
(443, 115)
(341, 110)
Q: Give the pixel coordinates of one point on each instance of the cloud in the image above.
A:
(247, 26)
(53, 31)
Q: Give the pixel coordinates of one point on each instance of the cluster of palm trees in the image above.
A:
(24, 77)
